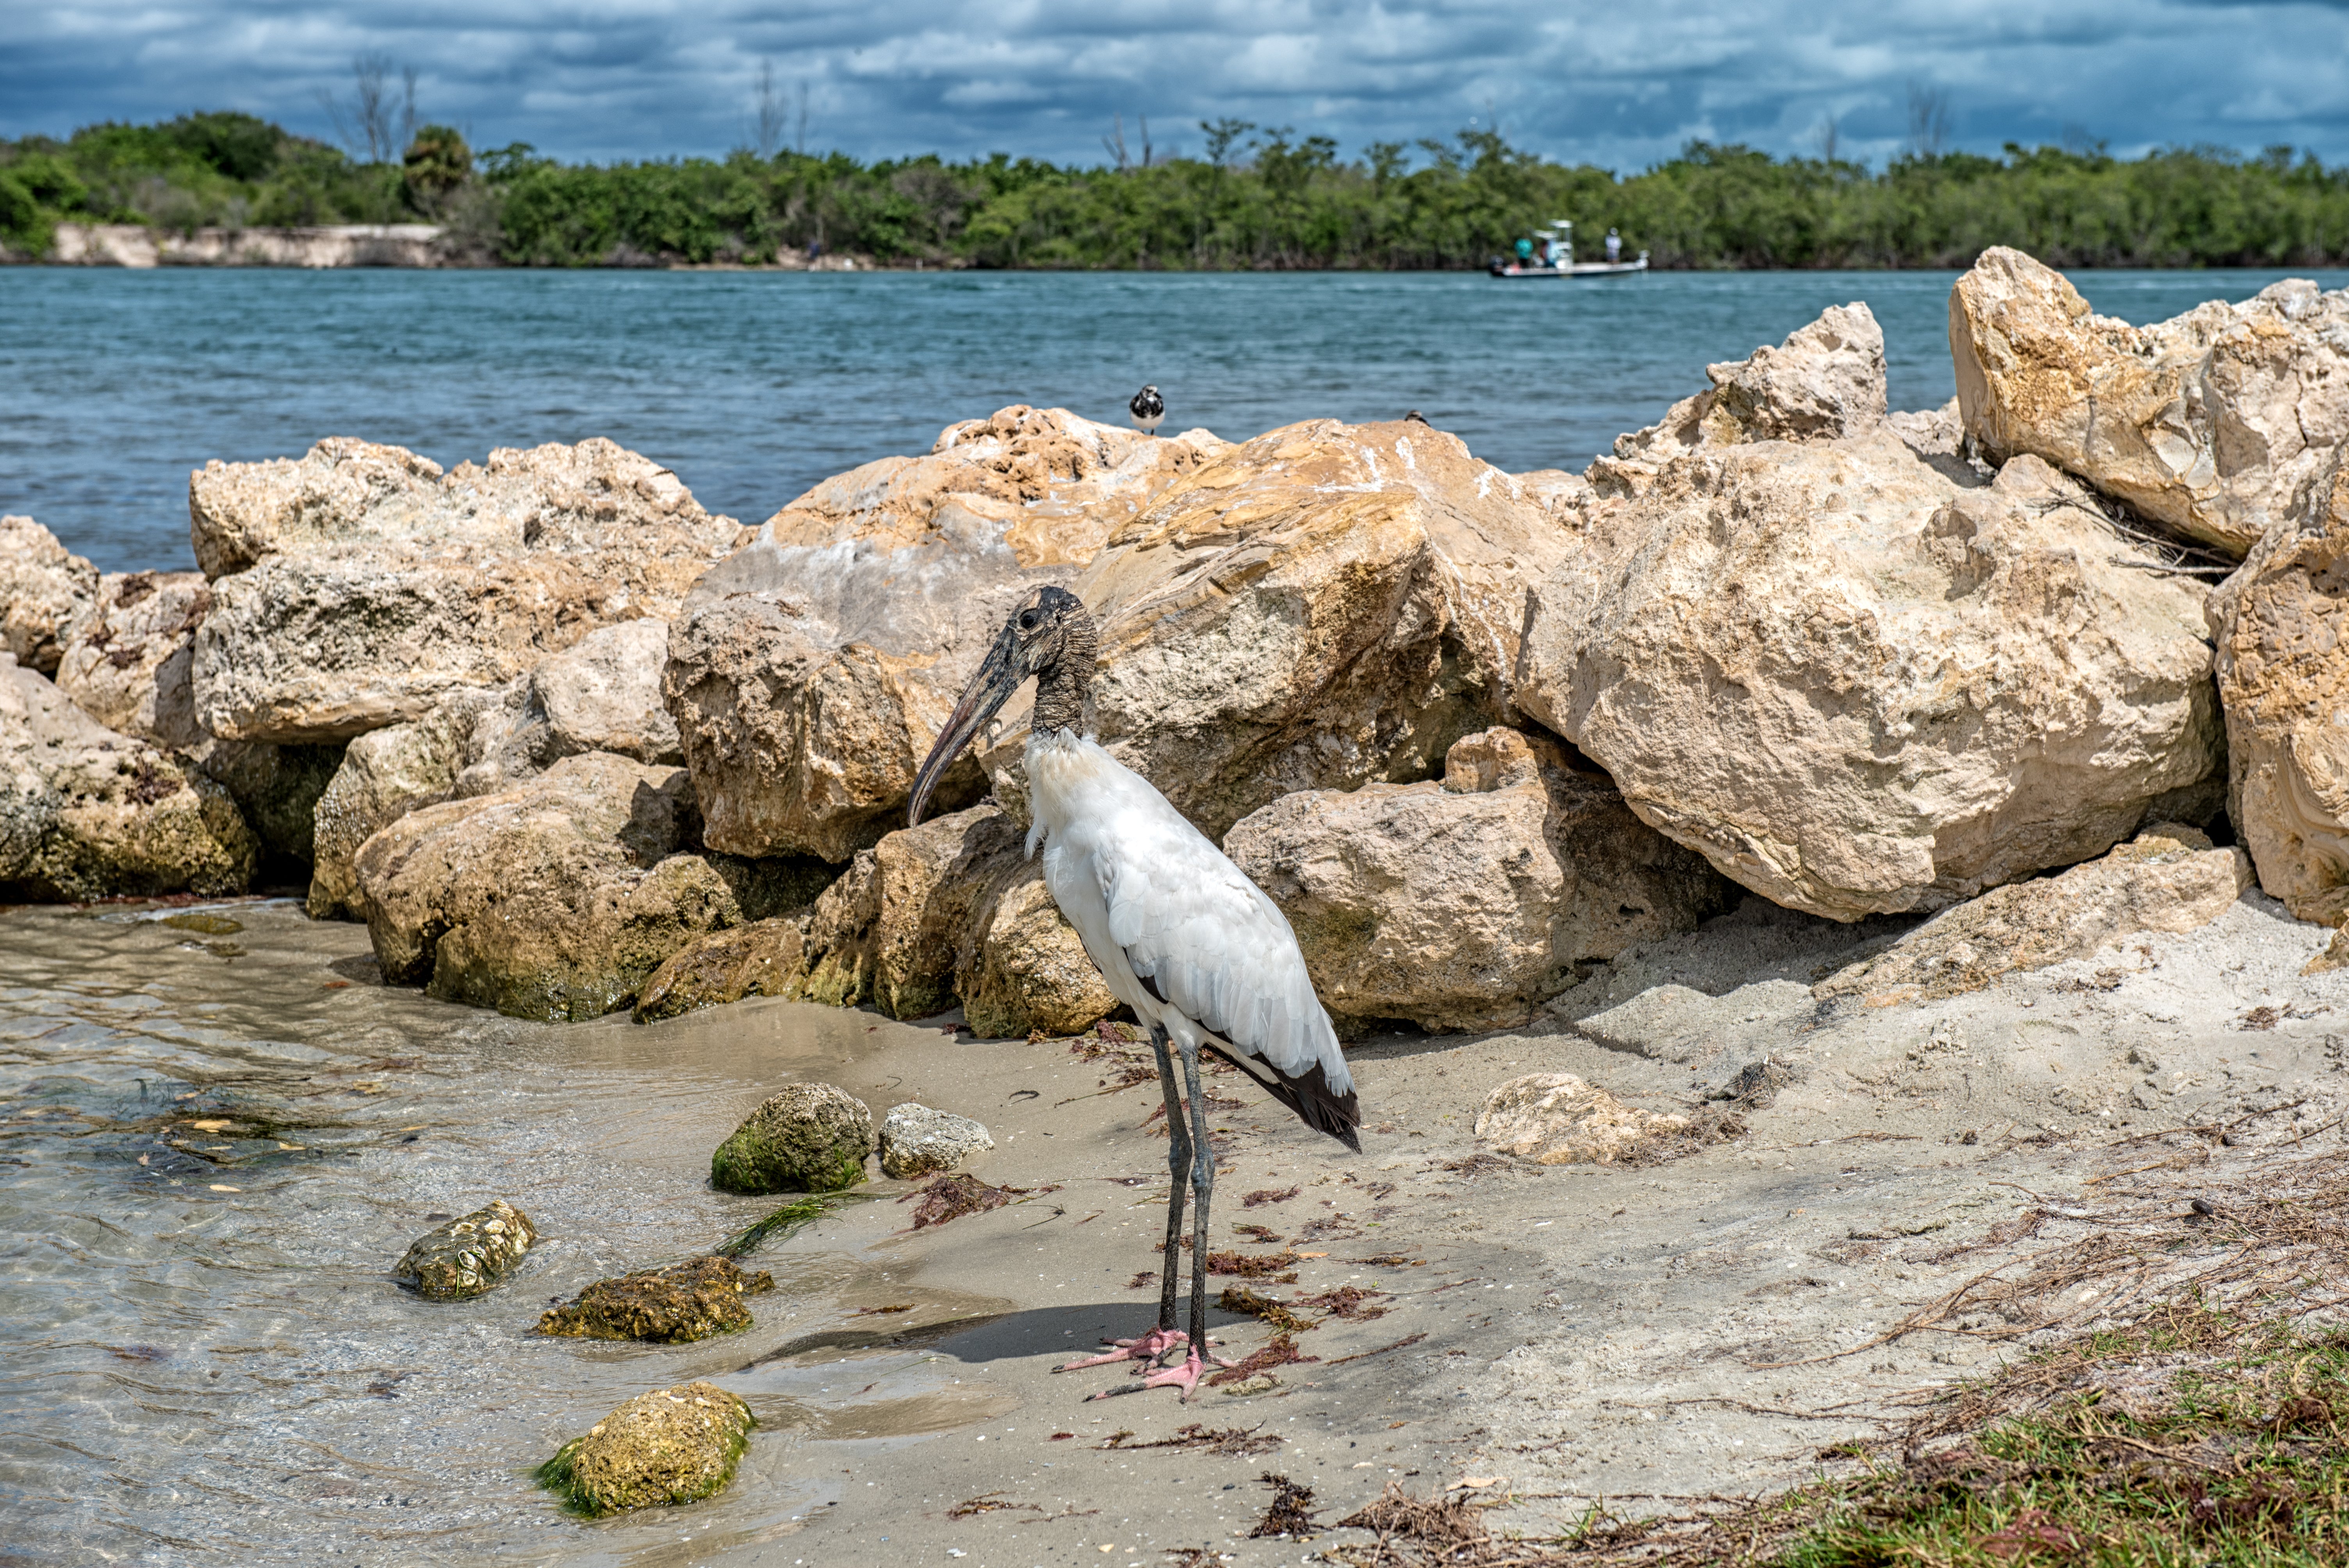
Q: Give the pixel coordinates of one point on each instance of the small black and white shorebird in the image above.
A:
(1147, 408)
(1203, 958)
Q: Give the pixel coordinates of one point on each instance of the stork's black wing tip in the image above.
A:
(1306, 1093)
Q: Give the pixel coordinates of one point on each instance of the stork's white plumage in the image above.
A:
(1179, 933)
(1203, 957)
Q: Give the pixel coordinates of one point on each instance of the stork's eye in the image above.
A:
(1028, 620)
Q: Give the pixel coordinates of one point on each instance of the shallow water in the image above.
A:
(754, 386)
(207, 1361)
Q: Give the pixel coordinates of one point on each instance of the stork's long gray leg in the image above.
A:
(1178, 1161)
(1202, 1187)
(1165, 1336)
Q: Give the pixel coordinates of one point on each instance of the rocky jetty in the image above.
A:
(568, 743)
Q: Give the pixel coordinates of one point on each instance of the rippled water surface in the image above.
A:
(114, 384)
(206, 1358)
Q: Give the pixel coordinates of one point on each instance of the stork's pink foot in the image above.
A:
(1185, 1376)
(1146, 1349)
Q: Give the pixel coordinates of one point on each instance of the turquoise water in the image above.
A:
(754, 386)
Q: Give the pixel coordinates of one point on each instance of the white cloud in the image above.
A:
(1618, 85)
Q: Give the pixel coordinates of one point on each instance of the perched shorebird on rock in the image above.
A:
(1416, 417)
(1147, 408)
(1203, 958)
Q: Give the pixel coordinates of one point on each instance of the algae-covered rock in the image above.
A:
(673, 1306)
(810, 1138)
(467, 1257)
(672, 1445)
(918, 1140)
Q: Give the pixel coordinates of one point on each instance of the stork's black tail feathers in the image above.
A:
(1306, 1093)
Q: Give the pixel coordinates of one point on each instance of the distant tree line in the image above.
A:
(1256, 199)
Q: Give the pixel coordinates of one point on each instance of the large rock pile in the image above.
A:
(1474, 732)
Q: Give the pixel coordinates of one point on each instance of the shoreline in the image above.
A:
(426, 247)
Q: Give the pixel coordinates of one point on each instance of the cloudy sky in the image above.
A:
(1618, 84)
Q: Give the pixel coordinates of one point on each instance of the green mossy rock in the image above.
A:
(467, 1257)
(670, 1446)
(673, 1306)
(810, 1138)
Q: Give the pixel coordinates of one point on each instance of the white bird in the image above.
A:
(1203, 958)
(1147, 408)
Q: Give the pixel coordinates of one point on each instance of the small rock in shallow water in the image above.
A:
(467, 1257)
(673, 1306)
(810, 1137)
(916, 1141)
(672, 1445)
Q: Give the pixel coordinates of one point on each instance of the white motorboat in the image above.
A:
(1553, 257)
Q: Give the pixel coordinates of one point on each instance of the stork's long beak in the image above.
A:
(999, 676)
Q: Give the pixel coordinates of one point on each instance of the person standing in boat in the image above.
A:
(1614, 248)
(1525, 252)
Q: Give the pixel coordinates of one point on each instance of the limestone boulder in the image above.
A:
(604, 694)
(43, 589)
(2169, 878)
(387, 773)
(759, 958)
(1826, 381)
(1556, 1118)
(341, 491)
(127, 660)
(1020, 969)
(1465, 904)
(87, 812)
(351, 606)
(1859, 685)
(554, 898)
(2214, 422)
(2281, 625)
(1320, 608)
(814, 667)
(921, 1141)
(807, 1138)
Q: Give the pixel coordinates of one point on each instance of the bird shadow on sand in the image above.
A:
(1074, 1330)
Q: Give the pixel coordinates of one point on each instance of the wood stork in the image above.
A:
(1147, 408)
(1203, 958)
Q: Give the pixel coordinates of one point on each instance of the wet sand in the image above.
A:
(205, 1373)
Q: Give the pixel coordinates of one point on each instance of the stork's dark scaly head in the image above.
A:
(1048, 636)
